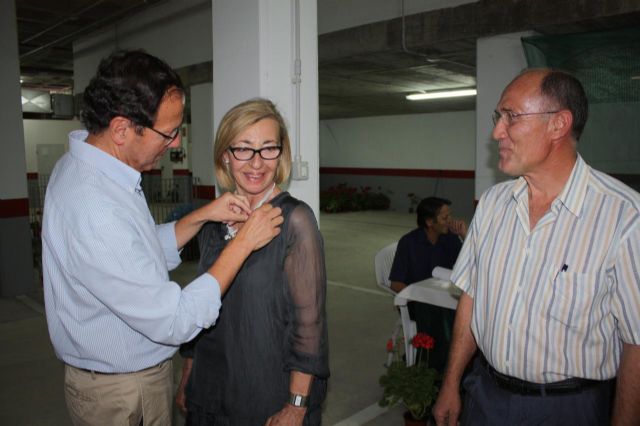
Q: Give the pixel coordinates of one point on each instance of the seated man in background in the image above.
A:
(436, 242)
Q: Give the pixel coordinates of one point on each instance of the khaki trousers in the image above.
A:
(120, 399)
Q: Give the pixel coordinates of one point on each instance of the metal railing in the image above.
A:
(168, 200)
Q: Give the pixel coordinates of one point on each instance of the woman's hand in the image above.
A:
(288, 416)
(181, 399)
(229, 208)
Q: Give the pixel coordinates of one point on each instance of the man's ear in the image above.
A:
(561, 124)
(120, 129)
(428, 223)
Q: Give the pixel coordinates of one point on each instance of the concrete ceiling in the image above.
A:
(363, 71)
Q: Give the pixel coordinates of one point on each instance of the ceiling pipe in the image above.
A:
(103, 22)
(64, 21)
(428, 58)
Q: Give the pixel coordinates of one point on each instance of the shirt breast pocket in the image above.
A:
(573, 297)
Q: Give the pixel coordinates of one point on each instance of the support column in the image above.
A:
(202, 142)
(500, 59)
(254, 55)
(16, 263)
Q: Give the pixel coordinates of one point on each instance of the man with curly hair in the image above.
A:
(114, 317)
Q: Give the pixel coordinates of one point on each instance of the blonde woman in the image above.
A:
(266, 359)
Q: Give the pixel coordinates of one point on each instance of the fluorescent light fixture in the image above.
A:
(443, 94)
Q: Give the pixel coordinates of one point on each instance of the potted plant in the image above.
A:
(413, 201)
(413, 386)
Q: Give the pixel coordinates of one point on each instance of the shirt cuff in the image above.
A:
(204, 292)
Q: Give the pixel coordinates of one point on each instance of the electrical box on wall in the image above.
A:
(300, 170)
(62, 105)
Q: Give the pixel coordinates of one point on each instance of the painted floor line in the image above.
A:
(356, 288)
(31, 303)
(363, 416)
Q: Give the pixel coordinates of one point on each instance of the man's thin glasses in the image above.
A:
(167, 138)
(246, 154)
(510, 116)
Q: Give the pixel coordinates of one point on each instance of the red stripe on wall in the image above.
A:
(32, 176)
(17, 207)
(181, 172)
(451, 174)
(154, 172)
(204, 192)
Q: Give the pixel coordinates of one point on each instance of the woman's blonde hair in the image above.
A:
(234, 122)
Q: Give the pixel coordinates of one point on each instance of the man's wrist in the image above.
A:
(239, 247)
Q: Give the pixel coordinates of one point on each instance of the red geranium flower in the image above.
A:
(423, 340)
(390, 345)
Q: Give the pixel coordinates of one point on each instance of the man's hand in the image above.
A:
(448, 406)
(262, 227)
(288, 416)
(458, 227)
(229, 208)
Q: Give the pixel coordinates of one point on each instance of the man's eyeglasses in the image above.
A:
(510, 117)
(246, 154)
(167, 138)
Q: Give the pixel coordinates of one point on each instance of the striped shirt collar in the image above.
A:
(572, 195)
(110, 166)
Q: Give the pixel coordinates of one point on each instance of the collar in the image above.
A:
(107, 164)
(572, 195)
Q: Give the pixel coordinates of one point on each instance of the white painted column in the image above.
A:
(16, 265)
(202, 140)
(253, 55)
(499, 60)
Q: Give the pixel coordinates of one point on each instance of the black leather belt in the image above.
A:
(522, 387)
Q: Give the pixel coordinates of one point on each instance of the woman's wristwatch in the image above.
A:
(298, 400)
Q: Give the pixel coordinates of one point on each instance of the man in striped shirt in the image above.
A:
(550, 273)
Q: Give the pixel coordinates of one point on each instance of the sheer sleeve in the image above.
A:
(306, 281)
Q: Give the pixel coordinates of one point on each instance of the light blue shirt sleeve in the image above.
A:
(167, 236)
(126, 272)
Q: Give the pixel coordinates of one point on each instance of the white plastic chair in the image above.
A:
(383, 262)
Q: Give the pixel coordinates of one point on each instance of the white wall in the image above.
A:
(254, 55)
(419, 141)
(202, 133)
(500, 59)
(38, 132)
(334, 15)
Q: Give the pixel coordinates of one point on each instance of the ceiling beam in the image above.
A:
(434, 30)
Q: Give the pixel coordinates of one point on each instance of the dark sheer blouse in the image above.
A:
(272, 321)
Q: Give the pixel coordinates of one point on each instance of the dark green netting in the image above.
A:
(608, 65)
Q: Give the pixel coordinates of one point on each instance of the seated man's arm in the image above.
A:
(399, 267)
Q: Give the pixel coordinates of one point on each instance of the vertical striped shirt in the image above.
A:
(556, 301)
(110, 304)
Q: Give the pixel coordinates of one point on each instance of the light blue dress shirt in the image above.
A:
(109, 302)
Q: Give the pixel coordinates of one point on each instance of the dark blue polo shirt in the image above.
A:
(416, 257)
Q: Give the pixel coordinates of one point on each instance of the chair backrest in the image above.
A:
(383, 262)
